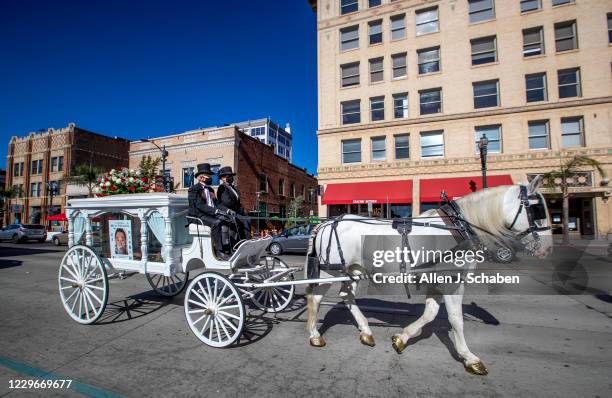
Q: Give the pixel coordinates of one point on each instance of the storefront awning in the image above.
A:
(58, 217)
(363, 192)
(458, 187)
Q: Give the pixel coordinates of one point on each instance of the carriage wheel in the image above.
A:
(276, 298)
(83, 284)
(214, 309)
(168, 286)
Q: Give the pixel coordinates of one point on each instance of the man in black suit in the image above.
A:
(229, 201)
(203, 204)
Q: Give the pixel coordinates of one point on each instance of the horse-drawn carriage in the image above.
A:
(151, 234)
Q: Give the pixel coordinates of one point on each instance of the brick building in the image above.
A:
(407, 87)
(264, 178)
(41, 160)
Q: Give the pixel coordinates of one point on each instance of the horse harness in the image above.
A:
(535, 211)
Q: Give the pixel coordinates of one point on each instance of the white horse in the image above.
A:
(500, 211)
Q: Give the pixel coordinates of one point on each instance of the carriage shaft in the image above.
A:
(302, 281)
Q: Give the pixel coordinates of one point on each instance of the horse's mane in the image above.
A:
(483, 209)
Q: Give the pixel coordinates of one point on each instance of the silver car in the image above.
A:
(291, 240)
(22, 232)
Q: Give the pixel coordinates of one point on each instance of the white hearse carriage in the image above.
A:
(151, 234)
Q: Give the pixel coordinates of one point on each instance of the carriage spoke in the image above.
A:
(228, 322)
(96, 287)
(200, 318)
(69, 297)
(205, 324)
(230, 315)
(220, 321)
(228, 307)
(207, 302)
(215, 293)
(198, 303)
(68, 279)
(203, 292)
(88, 290)
(196, 311)
(221, 294)
(217, 330)
(87, 282)
(69, 271)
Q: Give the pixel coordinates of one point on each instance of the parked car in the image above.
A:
(22, 232)
(60, 239)
(293, 240)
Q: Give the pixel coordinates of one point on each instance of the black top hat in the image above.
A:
(204, 168)
(226, 171)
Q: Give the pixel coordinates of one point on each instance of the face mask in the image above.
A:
(229, 179)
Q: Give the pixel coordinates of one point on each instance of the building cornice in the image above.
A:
(218, 143)
(468, 115)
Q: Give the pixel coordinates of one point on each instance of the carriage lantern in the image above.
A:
(482, 146)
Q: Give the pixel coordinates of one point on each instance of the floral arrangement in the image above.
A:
(123, 181)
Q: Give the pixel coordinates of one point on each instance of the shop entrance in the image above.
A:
(581, 220)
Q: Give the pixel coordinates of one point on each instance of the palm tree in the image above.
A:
(85, 175)
(559, 178)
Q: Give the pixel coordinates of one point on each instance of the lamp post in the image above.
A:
(164, 156)
(482, 146)
(51, 188)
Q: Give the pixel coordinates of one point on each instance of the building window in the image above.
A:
(187, 177)
(377, 108)
(15, 169)
(398, 27)
(351, 112)
(486, 94)
(399, 65)
(400, 105)
(281, 186)
(427, 21)
(22, 167)
(533, 41)
(375, 32)
(481, 10)
(57, 163)
(349, 38)
(35, 189)
(347, 6)
(351, 151)
(374, 3)
(569, 83)
(40, 166)
(559, 2)
(376, 70)
(378, 149)
(431, 101)
(535, 85)
(610, 27)
(35, 169)
(538, 135)
(292, 190)
(530, 5)
(263, 182)
(350, 74)
(432, 144)
(402, 146)
(53, 164)
(484, 50)
(429, 60)
(493, 134)
(565, 36)
(572, 132)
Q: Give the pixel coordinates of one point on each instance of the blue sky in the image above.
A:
(146, 68)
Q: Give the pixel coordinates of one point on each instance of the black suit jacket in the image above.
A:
(227, 199)
(198, 207)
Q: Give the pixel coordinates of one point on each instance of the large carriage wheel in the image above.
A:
(83, 284)
(274, 298)
(214, 309)
(168, 286)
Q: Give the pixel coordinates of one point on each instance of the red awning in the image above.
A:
(458, 187)
(362, 192)
(58, 217)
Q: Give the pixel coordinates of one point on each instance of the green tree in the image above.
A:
(85, 175)
(8, 192)
(148, 167)
(559, 179)
(296, 211)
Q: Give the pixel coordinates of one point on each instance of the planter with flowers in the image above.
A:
(124, 181)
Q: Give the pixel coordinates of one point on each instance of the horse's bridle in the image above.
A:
(535, 211)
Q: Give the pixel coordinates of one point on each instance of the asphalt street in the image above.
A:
(534, 345)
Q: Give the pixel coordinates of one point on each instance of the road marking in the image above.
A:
(86, 389)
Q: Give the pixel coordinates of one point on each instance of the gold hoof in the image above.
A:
(367, 339)
(477, 368)
(318, 341)
(398, 344)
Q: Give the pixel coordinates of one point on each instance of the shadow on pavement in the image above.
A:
(134, 307)
(10, 263)
(8, 251)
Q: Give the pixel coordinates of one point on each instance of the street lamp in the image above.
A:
(164, 156)
(52, 189)
(482, 146)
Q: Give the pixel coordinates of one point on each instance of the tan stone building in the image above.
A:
(265, 180)
(40, 161)
(407, 87)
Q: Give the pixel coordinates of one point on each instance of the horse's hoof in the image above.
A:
(398, 344)
(477, 368)
(317, 341)
(367, 339)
